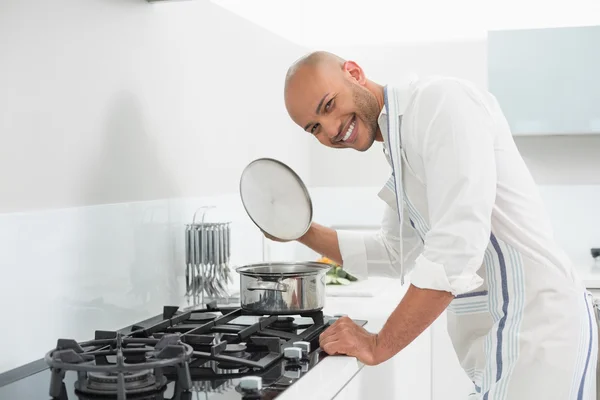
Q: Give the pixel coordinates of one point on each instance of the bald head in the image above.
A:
(314, 60)
(331, 99)
(314, 68)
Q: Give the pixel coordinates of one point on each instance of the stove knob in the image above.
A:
(251, 384)
(293, 353)
(292, 373)
(304, 346)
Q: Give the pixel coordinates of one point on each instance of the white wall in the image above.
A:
(349, 22)
(118, 119)
(107, 101)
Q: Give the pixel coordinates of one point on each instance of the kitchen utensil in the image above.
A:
(188, 261)
(283, 288)
(276, 199)
(207, 273)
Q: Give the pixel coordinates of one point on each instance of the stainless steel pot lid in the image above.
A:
(276, 199)
(284, 268)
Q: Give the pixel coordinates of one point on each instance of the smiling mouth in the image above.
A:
(350, 134)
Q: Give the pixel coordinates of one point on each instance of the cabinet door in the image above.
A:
(448, 380)
(547, 80)
(405, 376)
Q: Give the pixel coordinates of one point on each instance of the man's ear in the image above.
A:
(355, 71)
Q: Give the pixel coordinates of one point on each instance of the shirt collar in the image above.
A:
(382, 122)
(402, 94)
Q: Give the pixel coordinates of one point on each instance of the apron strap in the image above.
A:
(596, 311)
(395, 152)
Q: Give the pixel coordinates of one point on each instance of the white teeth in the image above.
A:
(349, 132)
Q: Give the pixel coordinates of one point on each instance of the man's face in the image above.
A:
(332, 103)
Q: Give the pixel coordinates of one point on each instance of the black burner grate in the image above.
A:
(98, 376)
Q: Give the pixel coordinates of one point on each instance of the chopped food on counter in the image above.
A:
(336, 275)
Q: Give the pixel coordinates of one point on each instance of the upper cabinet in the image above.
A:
(547, 81)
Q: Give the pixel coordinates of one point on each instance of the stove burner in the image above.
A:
(106, 382)
(97, 376)
(230, 367)
(284, 324)
(235, 350)
(199, 341)
(135, 358)
(203, 317)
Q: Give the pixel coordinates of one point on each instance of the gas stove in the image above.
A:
(218, 352)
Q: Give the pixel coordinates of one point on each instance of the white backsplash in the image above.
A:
(66, 273)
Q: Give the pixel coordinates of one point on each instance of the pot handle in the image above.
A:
(272, 286)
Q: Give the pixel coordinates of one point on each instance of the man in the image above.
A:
(464, 211)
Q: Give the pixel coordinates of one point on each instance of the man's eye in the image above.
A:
(314, 128)
(329, 105)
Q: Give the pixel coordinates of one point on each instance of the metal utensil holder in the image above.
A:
(207, 255)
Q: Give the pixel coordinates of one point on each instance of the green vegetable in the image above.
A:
(337, 276)
(341, 273)
(343, 281)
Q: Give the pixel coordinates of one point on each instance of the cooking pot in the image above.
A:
(283, 287)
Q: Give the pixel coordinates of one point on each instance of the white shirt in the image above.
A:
(460, 150)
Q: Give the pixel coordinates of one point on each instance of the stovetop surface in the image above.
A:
(273, 379)
(214, 374)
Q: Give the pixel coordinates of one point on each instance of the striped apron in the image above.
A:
(522, 335)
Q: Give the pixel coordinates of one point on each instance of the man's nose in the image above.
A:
(331, 129)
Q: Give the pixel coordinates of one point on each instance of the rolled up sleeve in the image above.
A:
(455, 140)
(367, 254)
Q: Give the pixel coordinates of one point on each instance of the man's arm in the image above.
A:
(455, 139)
(324, 241)
(367, 254)
(418, 309)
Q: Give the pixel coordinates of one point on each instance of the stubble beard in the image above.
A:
(367, 110)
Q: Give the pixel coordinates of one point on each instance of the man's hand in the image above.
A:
(417, 310)
(346, 337)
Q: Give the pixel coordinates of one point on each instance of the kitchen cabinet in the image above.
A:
(405, 376)
(427, 369)
(547, 80)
